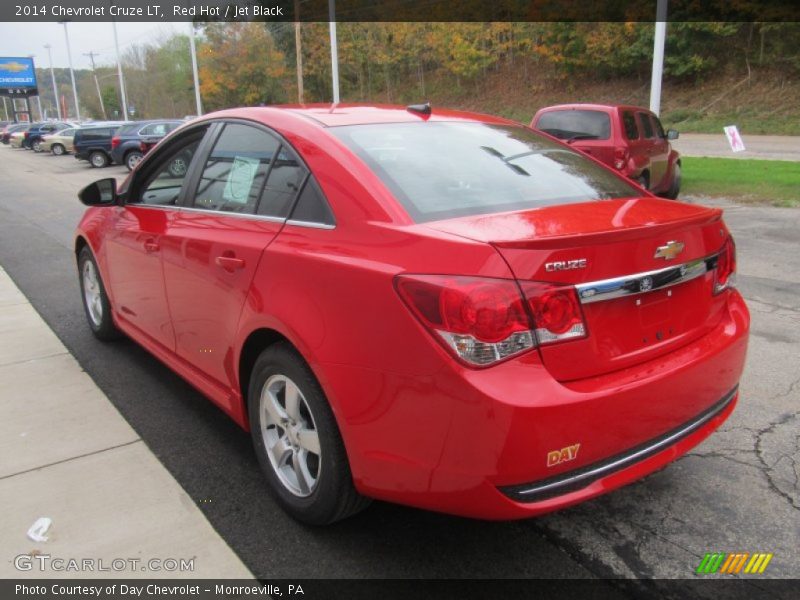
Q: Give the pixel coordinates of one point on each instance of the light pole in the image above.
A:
(53, 77)
(658, 56)
(334, 52)
(119, 73)
(38, 97)
(5, 108)
(72, 73)
(195, 74)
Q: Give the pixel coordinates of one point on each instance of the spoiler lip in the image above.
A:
(519, 229)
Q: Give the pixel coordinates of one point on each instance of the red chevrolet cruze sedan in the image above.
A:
(435, 308)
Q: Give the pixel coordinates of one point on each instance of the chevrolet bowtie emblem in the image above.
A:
(669, 250)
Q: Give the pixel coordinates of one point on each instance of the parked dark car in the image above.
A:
(5, 135)
(629, 139)
(93, 143)
(126, 144)
(33, 137)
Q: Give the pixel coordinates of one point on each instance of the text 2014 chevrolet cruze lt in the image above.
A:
(441, 309)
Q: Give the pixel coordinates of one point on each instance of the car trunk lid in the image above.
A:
(642, 268)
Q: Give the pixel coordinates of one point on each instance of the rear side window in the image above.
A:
(440, 170)
(647, 127)
(576, 124)
(311, 206)
(285, 179)
(629, 124)
(235, 171)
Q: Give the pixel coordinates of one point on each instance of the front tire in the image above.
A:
(58, 149)
(95, 300)
(98, 159)
(297, 441)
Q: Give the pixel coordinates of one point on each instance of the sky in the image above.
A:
(24, 39)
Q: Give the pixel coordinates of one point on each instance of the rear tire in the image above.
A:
(37, 146)
(297, 441)
(58, 149)
(95, 300)
(132, 159)
(675, 188)
(98, 159)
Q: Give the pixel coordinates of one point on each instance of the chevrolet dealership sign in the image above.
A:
(17, 77)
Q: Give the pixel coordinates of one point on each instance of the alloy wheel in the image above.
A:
(91, 293)
(290, 436)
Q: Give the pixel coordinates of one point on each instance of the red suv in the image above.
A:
(629, 139)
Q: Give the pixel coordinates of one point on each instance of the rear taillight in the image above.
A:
(621, 156)
(556, 312)
(725, 273)
(114, 142)
(483, 321)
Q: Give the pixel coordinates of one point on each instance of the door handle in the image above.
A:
(151, 246)
(229, 263)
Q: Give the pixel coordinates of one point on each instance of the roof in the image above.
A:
(589, 106)
(333, 115)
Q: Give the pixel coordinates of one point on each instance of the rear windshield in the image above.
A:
(129, 129)
(444, 170)
(576, 124)
(97, 134)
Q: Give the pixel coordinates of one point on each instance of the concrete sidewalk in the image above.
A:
(67, 454)
(771, 147)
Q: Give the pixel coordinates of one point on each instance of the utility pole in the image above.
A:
(119, 74)
(334, 51)
(195, 75)
(5, 108)
(72, 73)
(91, 54)
(53, 77)
(658, 56)
(298, 46)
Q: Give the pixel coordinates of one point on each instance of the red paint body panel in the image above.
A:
(420, 427)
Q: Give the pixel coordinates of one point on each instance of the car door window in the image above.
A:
(284, 182)
(234, 173)
(166, 173)
(629, 122)
(659, 129)
(647, 127)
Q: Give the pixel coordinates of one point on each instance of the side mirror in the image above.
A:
(672, 134)
(102, 192)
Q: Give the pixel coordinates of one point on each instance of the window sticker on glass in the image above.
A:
(240, 179)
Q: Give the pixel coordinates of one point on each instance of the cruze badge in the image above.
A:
(565, 265)
(669, 250)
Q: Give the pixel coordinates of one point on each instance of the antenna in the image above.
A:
(423, 109)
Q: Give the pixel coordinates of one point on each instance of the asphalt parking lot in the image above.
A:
(737, 492)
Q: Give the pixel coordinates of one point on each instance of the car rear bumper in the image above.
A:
(477, 442)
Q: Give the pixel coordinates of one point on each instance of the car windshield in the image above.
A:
(576, 124)
(442, 170)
